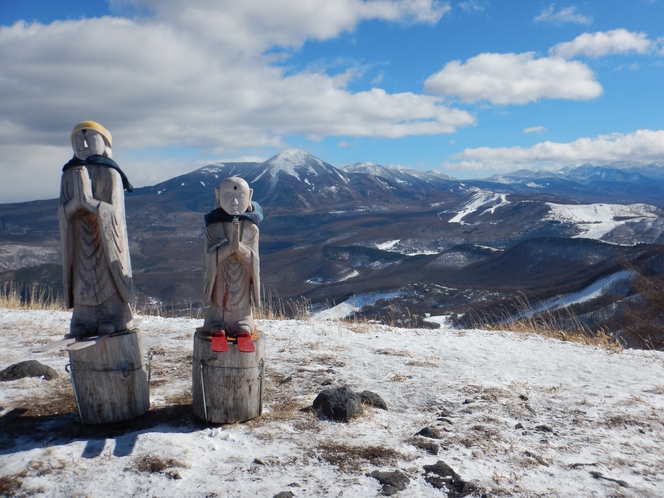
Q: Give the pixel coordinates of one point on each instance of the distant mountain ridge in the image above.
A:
(330, 232)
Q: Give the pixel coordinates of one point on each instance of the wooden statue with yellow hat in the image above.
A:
(95, 251)
(106, 362)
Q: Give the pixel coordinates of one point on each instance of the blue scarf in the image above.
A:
(220, 216)
(97, 160)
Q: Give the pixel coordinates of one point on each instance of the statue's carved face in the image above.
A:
(235, 196)
(87, 143)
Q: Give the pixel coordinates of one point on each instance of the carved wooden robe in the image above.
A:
(231, 280)
(95, 250)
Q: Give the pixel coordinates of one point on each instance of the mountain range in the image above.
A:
(439, 243)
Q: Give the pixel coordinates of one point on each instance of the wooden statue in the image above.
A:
(232, 273)
(106, 365)
(93, 233)
(227, 382)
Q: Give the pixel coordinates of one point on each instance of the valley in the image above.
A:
(437, 245)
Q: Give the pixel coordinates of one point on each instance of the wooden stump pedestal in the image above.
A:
(227, 387)
(110, 380)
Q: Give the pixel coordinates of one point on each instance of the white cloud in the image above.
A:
(256, 25)
(564, 15)
(155, 86)
(535, 129)
(196, 74)
(617, 41)
(35, 169)
(472, 6)
(514, 79)
(644, 146)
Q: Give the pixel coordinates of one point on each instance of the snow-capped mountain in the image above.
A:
(399, 174)
(332, 232)
(291, 180)
(588, 183)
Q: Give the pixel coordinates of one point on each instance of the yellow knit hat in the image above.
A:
(92, 125)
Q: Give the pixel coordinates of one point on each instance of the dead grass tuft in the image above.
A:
(282, 410)
(354, 458)
(422, 363)
(393, 352)
(10, 485)
(430, 447)
(153, 464)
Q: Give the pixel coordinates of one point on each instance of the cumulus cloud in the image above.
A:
(617, 41)
(514, 79)
(200, 74)
(535, 129)
(646, 146)
(563, 15)
(256, 25)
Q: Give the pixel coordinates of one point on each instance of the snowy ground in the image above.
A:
(597, 220)
(586, 416)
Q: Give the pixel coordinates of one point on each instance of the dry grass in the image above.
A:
(40, 297)
(274, 307)
(355, 458)
(33, 297)
(547, 323)
(10, 485)
(153, 464)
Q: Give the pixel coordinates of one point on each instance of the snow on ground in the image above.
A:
(596, 220)
(389, 245)
(519, 415)
(393, 246)
(489, 201)
(594, 290)
(351, 305)
(347, 276)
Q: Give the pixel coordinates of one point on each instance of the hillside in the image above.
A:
(330, 233)
(518, 415)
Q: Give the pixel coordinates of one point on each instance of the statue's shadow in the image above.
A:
(23, 433)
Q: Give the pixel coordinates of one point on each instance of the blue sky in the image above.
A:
(470, 88)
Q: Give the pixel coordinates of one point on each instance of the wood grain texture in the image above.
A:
(111, 379)
(231, 381)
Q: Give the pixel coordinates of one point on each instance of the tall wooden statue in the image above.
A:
(228, 350)
(106, 361)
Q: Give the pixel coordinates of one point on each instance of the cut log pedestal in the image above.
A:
(227, 386)
(110, 379)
